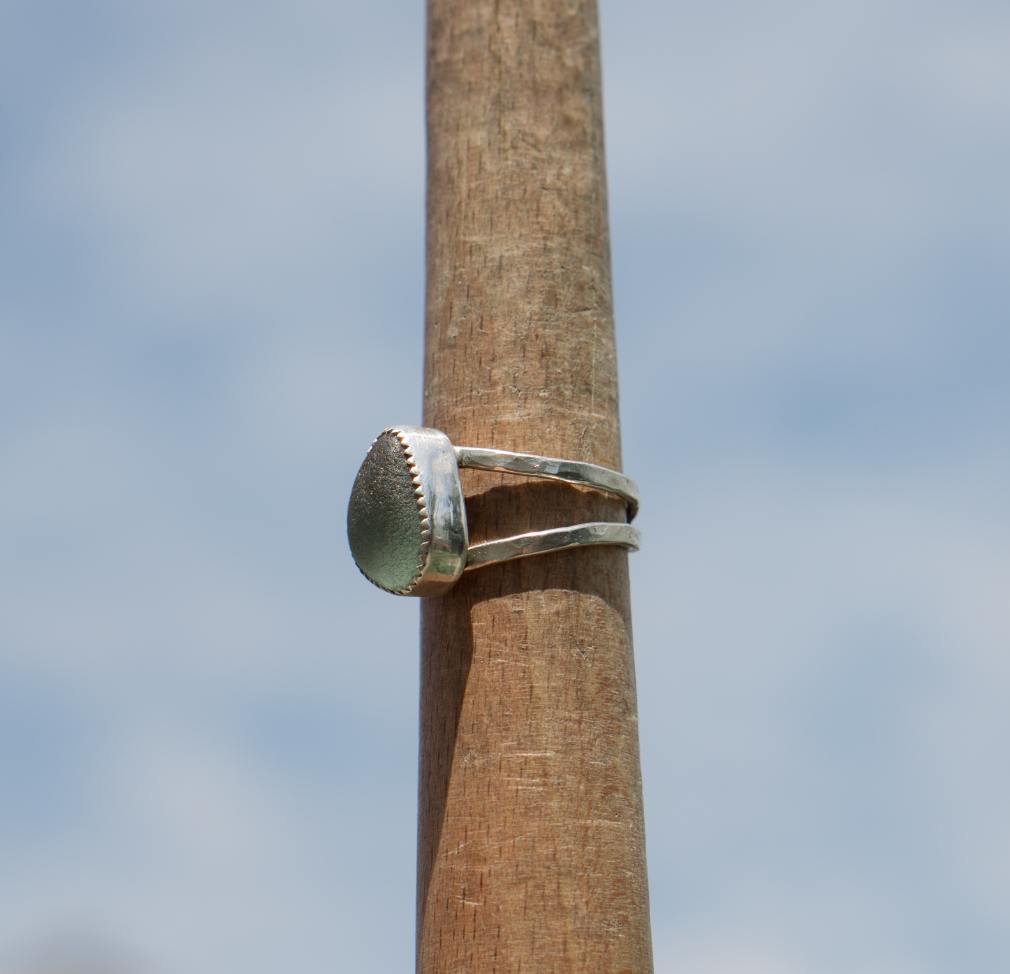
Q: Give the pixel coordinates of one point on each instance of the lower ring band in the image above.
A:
(555, 539)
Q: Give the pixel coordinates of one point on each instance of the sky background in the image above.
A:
(211, 222)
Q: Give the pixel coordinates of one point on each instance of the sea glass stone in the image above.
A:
(383, 519)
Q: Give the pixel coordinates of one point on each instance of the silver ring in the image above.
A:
(406, 519)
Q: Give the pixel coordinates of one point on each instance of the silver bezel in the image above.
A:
(436, 472)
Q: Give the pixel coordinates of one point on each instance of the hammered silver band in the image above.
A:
(406, 518)
(571, 471)
(554, 539)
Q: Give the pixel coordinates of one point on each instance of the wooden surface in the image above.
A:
(531, 838)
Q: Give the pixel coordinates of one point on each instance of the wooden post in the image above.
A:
(531, 837)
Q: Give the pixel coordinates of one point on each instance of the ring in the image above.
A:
(406, 519)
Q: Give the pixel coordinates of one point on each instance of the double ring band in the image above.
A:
(406, 520)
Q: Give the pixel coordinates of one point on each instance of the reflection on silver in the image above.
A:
(570, 471)
(438, 474)
(406, 519)
(555, 539)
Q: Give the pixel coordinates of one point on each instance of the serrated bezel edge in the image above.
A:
(422, 509)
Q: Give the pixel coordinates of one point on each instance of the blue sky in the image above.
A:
(211, 224)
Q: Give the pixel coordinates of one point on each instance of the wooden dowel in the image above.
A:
(531, 836)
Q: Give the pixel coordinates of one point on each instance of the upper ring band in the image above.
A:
(570, 471)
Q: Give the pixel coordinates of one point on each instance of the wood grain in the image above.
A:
(531, 835)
